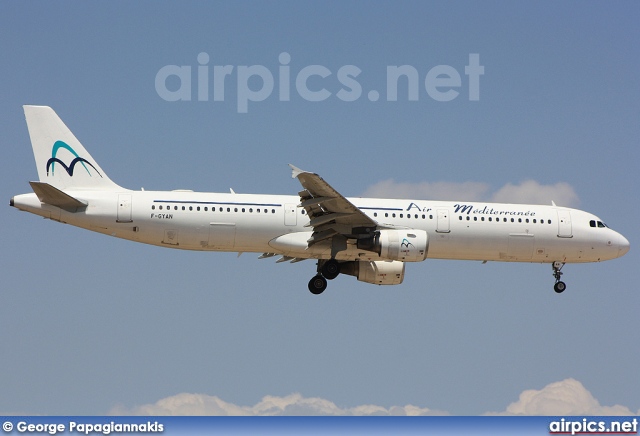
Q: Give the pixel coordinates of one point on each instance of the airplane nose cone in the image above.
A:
(623, 246)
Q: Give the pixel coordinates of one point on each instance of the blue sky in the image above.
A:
(90, 324)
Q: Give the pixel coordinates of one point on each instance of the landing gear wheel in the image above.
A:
(317, 285)
(331, 269)
(559, 287)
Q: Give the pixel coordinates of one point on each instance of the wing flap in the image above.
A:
(331, 215)
(320, 199)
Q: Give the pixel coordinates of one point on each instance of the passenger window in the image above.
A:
(190, 207)
(153, 207)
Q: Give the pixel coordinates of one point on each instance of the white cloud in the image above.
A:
(185, 404)
(565, 398)
(532, 192)
(527, 192)
(291, 405)
(466, 191)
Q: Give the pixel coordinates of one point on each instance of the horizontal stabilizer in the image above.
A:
(55, 197)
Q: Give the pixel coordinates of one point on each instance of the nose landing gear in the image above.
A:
(560, 286)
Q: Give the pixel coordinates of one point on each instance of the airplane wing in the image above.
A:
(331, 215)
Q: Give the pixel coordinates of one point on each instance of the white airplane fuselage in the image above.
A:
(255, 223)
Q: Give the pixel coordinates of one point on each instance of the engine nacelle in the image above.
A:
(378, 272)
(405, 245)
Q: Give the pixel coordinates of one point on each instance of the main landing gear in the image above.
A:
(560, 286)
(327, 270)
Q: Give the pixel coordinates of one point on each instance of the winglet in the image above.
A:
(295, 171)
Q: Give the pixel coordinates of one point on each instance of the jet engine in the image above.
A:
(409, 245)
(378, 272)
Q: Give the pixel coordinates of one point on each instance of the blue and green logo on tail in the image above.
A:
(51, 163)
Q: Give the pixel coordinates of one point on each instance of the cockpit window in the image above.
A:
(599, 224)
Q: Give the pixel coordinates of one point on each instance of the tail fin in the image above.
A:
(61, 159)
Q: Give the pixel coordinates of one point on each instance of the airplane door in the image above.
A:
(124, 208)
(443, 221)
(290, 215)
(564, 224)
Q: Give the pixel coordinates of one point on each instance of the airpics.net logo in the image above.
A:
(257, 83)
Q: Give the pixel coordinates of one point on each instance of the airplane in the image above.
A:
(369, 238)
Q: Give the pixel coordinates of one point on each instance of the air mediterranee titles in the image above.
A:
(471, 209)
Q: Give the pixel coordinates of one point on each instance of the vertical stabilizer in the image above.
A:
(61, 159)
